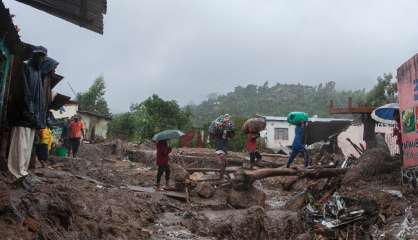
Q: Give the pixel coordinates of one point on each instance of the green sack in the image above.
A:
(296, 118)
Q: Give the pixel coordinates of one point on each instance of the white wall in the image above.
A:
(355, 133)
(100, 126)
(274, 144)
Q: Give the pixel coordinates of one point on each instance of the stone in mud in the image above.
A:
(205, 190)
(281, 224)
(180, 175)
(287, 182)
(246, 198)
(249, 224)
(305, 236)
(300, 185)
(296, 203)
(32, 224)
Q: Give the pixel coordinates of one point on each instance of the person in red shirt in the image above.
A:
(76, 129)
(252, 148)
(163, 151)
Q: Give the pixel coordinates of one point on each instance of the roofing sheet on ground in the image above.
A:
(408, 103)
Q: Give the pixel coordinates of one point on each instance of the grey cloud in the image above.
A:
(186, 49)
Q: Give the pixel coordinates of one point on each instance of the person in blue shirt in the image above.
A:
(298, 147)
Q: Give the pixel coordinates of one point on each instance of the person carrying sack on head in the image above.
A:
(297, 146)
(252, 148)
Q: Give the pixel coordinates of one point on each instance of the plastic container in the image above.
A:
(61, 151)
(296, 118)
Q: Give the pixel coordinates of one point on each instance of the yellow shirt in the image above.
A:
(45, 137)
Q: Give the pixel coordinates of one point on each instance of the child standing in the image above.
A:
(163, 150)
(44, 145)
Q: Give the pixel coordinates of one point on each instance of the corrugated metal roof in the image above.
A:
(8, 30)
(85, 13)
(313, 119)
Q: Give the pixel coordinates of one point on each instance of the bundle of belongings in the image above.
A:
(297, 118)
(220, 125)
(254, 125)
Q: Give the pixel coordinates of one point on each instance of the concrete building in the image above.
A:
(96, 125)
(279, 134)
(67, 111)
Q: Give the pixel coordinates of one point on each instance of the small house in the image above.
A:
(69, 110)
(96, 125)
(279, 134)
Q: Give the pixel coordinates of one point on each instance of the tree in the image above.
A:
(383, 92)
(149, 117)
(123, 126)
(275, 100)
(93, 99)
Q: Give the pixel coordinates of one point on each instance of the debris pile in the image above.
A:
(326, 201)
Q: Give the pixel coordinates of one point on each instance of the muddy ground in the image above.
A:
(108, 194)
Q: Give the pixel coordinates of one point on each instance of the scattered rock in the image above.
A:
(281, 224)
(296, 203)
(305, 236)
(196, 176)
(288, 182)
(246, 198)
(32, 224)
(205, 190)
(252, 223)
(180, 175)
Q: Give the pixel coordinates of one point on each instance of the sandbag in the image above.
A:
(296, 118)
(254, 125)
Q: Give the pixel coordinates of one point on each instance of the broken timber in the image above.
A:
(244, 178)
(192, 170)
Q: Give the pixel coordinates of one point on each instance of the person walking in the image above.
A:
(297, 146)
(65, 136)
(163, 151)
(76, 130)
(252, 148)
(221, 142)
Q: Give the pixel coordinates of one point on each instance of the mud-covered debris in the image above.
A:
(395, 193)
(180, 175)
(248, 224)
(32, 224)
(333, 216)
(246, 198)
(205, 190)
(373, 162)
(296, 202)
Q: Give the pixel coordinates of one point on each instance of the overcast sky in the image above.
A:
(186, 49)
